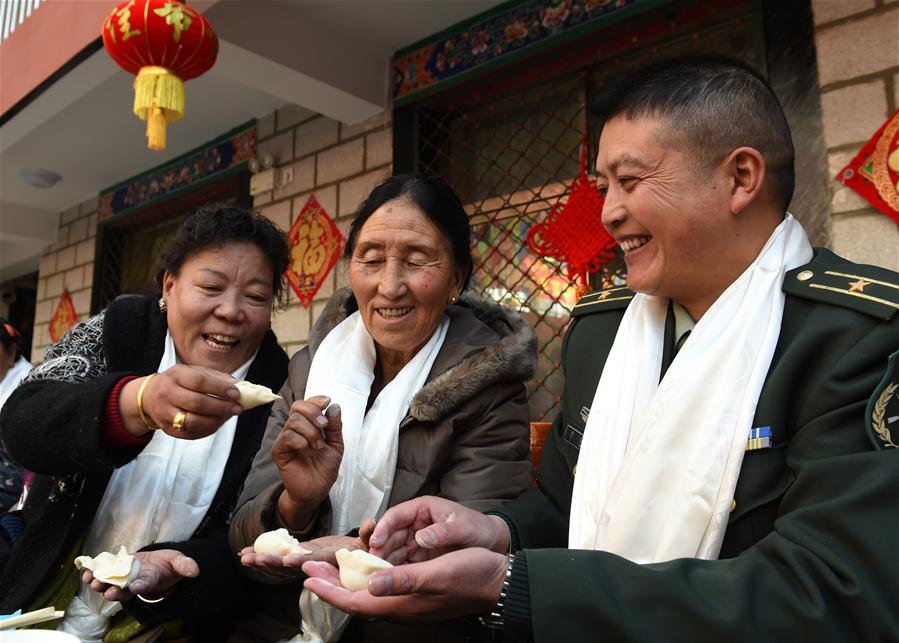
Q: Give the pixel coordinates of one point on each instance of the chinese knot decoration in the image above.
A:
(164, 43)
(573, 232)
(315, 245)
(64, 317)
(874, 172)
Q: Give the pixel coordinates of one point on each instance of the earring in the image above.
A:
(453, 299)
(163, 305)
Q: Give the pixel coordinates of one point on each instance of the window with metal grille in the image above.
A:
(510, 146)
(130, 245)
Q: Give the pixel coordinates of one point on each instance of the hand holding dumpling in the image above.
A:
(159, 572)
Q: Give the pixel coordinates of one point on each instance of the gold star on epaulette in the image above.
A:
(859, 286)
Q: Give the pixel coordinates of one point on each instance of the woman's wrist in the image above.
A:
(128, 407)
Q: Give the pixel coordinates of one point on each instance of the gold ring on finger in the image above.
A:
(180, 419)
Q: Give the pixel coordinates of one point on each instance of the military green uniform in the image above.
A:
(811, 550)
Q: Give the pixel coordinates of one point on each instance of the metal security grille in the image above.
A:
(511, 148)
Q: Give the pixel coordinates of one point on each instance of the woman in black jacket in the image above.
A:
(131, 424)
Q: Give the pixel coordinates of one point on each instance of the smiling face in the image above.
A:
(669, 215)
(402, 275)
(219, 305)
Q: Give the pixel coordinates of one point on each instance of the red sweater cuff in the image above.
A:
(115, 435)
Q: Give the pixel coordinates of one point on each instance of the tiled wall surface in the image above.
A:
(66, 265)
(857, 43)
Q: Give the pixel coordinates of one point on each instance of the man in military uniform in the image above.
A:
(725, 466)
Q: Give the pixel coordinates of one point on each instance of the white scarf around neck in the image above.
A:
(343, 368)
(659, 461)
(160, 496)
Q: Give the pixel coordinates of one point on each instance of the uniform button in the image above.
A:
(733, 505)
(805, 275)
(574, 470)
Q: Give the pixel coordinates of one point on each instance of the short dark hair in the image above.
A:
(712, 104)
(215, 224)
(435, 198)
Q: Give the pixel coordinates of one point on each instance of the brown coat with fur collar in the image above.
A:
(465, 438)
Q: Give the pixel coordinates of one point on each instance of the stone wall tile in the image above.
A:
(265, 126)
(353, 191)
(280, 147)
(828, 10)
(340, 162)
(867, 237)
(378, 148)
(290, 115)
(291, 325)
(78, 231)
(47, 264)
(279, 213)
(315, 135)
(378, 121)
(303, 179)
(74, 279)
(66, 258)
(85, 251)
(81, 300)
(858, 47)
(852, 114)
(54, 286)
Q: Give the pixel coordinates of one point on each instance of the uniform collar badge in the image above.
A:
(882, 413)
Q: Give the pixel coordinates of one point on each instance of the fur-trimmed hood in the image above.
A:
(485, 343)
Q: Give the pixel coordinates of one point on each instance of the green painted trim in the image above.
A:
(223, 137)
(599, 24)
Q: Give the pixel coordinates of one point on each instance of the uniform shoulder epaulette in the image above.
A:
(868, 289)
(603, 300)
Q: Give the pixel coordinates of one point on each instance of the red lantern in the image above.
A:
(163, 42)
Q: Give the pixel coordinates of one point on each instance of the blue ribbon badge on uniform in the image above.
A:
(759, 438)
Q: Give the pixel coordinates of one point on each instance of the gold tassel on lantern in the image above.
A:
(158, 98)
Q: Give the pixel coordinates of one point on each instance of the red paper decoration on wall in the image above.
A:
(315, 245)
(874, 172)
(164, 43)
(64, 317)
(573, 231)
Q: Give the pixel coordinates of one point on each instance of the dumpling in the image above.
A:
(356, 566)
(253, 395)
(280, 543)
(113, 569)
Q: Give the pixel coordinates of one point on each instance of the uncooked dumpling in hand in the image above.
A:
(253, 395)
(280, 543)
(356, 566)
(113, 569)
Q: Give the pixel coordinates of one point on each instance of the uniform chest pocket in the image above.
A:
(764, 478)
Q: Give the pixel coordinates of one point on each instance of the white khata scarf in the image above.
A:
(660, 460)
(343, 368)
(160, 496)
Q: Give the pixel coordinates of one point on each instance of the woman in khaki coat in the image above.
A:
(407, 388)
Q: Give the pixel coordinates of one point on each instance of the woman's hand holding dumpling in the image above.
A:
(187, 402)
(308, 453)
